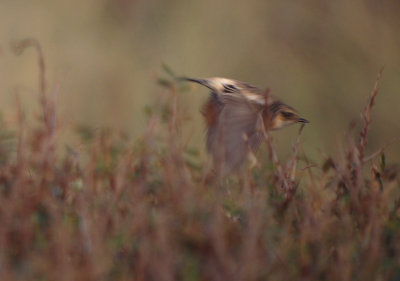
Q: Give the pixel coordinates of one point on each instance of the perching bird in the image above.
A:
(234, 115)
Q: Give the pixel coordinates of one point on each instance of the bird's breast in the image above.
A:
(211, 110)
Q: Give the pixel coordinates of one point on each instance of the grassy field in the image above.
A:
(115, 208)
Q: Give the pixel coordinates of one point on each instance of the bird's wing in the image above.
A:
(236, 133)
(211, 112)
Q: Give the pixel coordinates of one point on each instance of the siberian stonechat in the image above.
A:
(234, 115)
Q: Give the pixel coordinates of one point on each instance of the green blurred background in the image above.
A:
(321, 57)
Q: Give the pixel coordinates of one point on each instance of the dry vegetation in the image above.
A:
(111, 209)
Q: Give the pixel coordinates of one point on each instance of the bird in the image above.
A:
(235, 114)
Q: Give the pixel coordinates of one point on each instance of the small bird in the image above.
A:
(234, 115)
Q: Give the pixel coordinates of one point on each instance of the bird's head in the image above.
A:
(279, 114)
(282, 115)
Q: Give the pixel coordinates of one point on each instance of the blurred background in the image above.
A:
(321, 57)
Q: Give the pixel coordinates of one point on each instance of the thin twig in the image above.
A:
(376, 153)
(293, 162)
(19, 46)
(366, 118)
(21, 120)
(268, 139)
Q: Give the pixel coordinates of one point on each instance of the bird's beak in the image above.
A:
(203, 82)
(302, 120)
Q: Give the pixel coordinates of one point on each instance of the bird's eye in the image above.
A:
(229, 88)
(287, 114)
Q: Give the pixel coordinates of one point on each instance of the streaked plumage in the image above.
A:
(232, 116)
